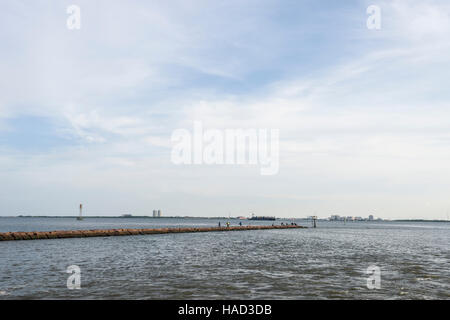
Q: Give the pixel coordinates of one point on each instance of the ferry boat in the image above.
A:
(266, 218)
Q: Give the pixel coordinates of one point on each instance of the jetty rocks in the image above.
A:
(10, 236)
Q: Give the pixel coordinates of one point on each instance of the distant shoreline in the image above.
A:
(224, 218)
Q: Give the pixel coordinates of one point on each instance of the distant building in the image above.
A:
(159, 213)
(371, 218)
(154, 213)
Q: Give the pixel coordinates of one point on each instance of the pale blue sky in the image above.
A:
(87, 115)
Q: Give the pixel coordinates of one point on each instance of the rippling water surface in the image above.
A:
(329, 262)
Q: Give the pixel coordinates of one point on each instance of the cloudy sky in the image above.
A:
(86, 116)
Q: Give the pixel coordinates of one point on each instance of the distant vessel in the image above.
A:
(266, 218)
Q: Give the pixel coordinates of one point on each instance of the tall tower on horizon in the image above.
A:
(81, 212)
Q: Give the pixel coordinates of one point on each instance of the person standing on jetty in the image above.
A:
(228, 224)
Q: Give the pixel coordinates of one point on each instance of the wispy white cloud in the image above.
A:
(369, 129)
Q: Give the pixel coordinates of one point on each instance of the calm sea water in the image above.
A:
(329, 262)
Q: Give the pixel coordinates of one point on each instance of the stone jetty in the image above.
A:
(9, 236)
